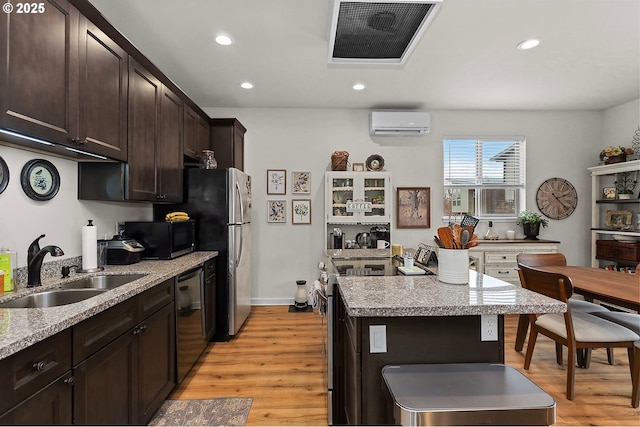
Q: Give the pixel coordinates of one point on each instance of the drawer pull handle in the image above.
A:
(503, 272)
(39, 366)
(70, 381)
(504, 257)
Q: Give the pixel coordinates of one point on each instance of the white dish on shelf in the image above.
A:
(625, 238)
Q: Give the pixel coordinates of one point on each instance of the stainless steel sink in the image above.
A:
(103, 281)
(52, 298)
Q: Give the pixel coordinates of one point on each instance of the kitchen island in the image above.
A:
(392, 320)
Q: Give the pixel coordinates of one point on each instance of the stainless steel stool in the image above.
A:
(466, 394)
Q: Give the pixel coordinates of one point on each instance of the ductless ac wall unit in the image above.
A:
(376, 31)
(399, 123)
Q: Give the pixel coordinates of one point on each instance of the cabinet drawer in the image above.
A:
(500, 257)
(24, 373)
(508, 273)
(617, 251)
(98, 331)
(155, 298)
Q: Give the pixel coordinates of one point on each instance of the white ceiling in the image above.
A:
(589, 58)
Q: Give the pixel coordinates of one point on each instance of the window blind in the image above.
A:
(484, 163)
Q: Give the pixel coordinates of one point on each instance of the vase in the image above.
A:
(531, 230)
(616, 159)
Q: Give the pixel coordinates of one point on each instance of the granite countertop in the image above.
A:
(22, 327)
(394, 296)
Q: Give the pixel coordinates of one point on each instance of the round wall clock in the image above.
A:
(557, 198)
(40, 179)
(4, 175)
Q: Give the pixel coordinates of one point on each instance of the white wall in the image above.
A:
(559, 144)
(61, 218)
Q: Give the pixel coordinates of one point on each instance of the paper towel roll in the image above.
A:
(89, 246)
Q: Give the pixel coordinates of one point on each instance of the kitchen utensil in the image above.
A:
(446, 237)
(438, 242)
(469, 220)
(464, 239)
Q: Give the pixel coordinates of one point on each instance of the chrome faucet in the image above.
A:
(35, 256)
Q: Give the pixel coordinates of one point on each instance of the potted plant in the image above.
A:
(531, 223)
(615, 154)
(625, 193)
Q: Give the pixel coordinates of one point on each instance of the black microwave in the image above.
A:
(163, 239)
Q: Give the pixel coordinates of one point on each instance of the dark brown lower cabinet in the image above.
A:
(359, 395)
(49, 406)
(123, 367)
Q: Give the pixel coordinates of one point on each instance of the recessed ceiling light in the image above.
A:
(223, 40)
(246, 85)
(358, 86)
(528, 44)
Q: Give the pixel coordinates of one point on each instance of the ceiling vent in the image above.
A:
(377, 32)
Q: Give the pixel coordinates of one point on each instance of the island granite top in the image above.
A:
(395, 296)
(22, 327)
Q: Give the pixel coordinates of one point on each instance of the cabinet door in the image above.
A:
(102, 124)
(144, 101)
(227, 140)
(157, 367)
(190, 119)
(106, 386)
(169, 151)
(39, 72)
(360, 197)
(202, 134)
(49, 406)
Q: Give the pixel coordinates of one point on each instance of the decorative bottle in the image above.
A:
(491, 234)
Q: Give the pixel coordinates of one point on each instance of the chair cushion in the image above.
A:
(587, 327)
(579, 305)
(628, 320)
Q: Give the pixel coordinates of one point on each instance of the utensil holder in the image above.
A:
(453, 266)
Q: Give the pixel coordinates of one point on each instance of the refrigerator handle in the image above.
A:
(241, 221)
(241, 204)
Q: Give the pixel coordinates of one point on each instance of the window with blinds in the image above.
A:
(484, 177)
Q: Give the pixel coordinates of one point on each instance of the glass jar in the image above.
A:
(208, 160)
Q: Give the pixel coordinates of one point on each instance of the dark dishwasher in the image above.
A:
(195, 315)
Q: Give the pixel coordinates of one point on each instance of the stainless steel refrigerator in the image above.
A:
(219, 200)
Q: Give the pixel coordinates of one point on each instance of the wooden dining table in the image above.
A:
(614, 287)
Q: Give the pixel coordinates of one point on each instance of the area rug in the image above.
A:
(293, 309)
(210, 412)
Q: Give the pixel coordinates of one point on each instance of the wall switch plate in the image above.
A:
(377, 338)
(489, 327)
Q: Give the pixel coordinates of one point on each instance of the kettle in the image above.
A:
(363, 240)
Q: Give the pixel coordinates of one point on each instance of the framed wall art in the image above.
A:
(277, 211)
(276, 181)
(40, 180)
(609, 193)
(413, 207)
(301, 182)
(4, 175)
(301, 211)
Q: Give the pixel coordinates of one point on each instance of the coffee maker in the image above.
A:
(380, 232)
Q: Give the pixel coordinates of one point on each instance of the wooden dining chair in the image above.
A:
(576, 331)
(577, 305)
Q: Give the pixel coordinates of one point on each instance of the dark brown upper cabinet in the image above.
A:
(64, 81)
(227, 141)
(155, 139)
(102, 124)
(39, 72)
(196, 133)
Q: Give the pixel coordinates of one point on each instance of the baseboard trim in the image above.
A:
(272, 301)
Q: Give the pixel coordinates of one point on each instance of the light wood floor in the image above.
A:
(276, 360)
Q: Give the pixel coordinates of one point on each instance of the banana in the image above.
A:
(177, 216)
